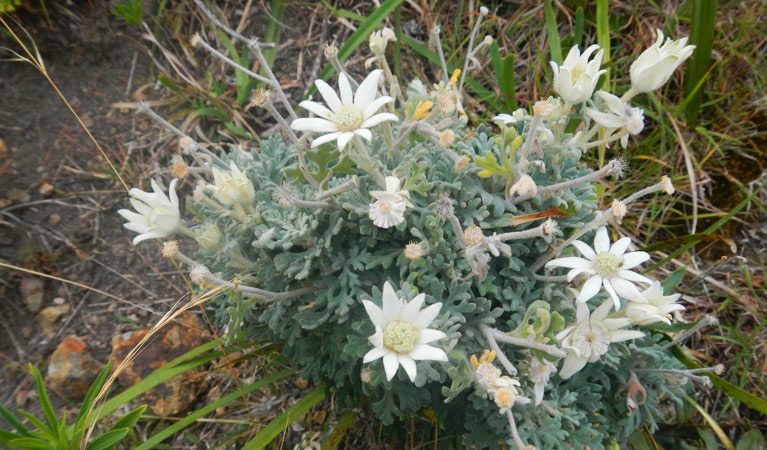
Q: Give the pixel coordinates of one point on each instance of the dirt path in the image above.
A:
(73, 233)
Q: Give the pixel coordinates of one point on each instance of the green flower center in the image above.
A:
(348, 118)
(400, 337)
(606, 264)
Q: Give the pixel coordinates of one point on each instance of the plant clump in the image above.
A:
(383, 230)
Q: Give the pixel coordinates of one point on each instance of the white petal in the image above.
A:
(427, 316)
(137, 227)
(375, 313)
(610, 290)
(590, 288)
(581, 313)
(633, 259)
(378, 118)
(344, 139)
(633, 276)
(626, 289)
(374, 354)
(325, 138)
(364, 133)
(620, 246)
(172, 193)
(615, 324)
(423, 352)
(573, 364)
(317, 109)
(392, 184)
(572, 262)
(377, 338)
(410, 312)
(409, 365)
(392, 305)
(585, 250)
(625, 335)
(538, 390)
(367, 90)
(601, 312)
(375, 106)
(575, 272)
(314, 124)
(391, 364)
(132, 216)
(428, 335)
(150, 235)
(601, 241)
(329, 95)
(345, 88)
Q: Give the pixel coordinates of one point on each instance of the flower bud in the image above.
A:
(232, 187)
(655, 65)
(208, 237)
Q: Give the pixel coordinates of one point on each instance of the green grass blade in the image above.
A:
(278, 425)
(702, 36)
(31, 443)
(45, 402)
(336, 437)
(715, 226)
(130, 419)
(747, 398)
(273, 32)
(8, 416)
(108, 440)
(358, 37)
(168, 371)
(555, 46)
(160, 436)
(712, 423)
(90, 396)
(579, 22)
(603, 37)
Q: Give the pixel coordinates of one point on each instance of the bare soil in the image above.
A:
(75, 233)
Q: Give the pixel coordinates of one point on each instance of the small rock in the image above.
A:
(59, 301)
(171, 341)
(54, 219)
(71, 369)
(301, 383)
(46, 190)
(32, 289)
(48, 316)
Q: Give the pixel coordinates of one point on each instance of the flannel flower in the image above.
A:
(157, 214)
(591, 336)
(620, 116)
(653, 307)
(402, 336)
(577, 77)
(351, 114)
(658, 62)
(389, 208)
(606, 265)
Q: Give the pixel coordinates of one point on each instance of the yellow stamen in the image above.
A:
(456, 74)
(474, 361)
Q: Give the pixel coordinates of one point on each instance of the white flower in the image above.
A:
(506, 119)
(158, 215)
(654, 307)
(233, 187)
(401, 336)
(590, 337)
(576, 79)
(389, 208)
(620, 116)
(539, 373)
(352, 114)
(655, 65)
(507, 396)
(379, 39)
(606, 265)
